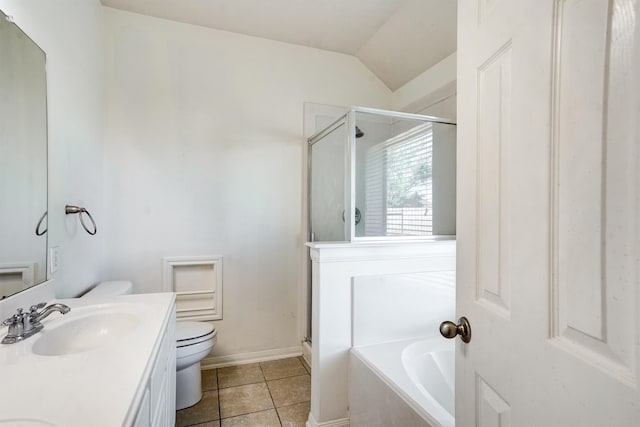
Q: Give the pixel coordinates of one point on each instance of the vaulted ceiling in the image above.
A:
(396, 39)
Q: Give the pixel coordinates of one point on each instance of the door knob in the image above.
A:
(450, 329)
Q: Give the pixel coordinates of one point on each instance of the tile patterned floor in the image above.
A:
(267, 394)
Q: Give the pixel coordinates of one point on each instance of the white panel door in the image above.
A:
(548, 212)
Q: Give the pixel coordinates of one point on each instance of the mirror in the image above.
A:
(23, 161)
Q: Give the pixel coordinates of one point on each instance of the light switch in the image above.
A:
(54, 258)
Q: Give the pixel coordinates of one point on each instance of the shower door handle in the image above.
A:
(450, 329)
(358, 216)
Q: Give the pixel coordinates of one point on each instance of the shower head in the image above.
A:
(359, 133)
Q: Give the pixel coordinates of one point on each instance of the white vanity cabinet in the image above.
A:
(113, 358)
(158, 405)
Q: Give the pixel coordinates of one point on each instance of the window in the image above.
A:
(398, 184)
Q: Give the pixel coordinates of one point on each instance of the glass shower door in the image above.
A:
(327, 188)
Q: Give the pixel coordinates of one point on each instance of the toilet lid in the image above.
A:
(188, 333)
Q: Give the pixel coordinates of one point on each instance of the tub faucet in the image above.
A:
(22, 325)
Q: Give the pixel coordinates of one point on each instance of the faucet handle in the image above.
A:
(34, 308)
(32, 321)
(14, 332)
(11, 321)
(14, 319)
(30, 327)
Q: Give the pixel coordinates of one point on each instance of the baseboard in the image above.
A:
(342, 422)
(246, 358)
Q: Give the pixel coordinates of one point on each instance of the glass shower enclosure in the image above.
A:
(377, 175)
(382, 175)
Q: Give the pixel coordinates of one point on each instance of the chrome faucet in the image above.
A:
(23, 325)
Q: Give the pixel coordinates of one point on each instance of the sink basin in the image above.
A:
(88, 330)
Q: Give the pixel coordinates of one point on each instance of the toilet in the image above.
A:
(194, 340)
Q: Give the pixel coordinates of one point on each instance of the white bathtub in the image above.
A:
(403, 383)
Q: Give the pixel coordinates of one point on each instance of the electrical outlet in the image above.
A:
(54, 258)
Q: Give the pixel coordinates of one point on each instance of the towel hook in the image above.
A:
(69, 209)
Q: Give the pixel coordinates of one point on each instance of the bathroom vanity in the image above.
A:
(108, 362)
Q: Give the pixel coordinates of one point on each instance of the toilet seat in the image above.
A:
(191, 333)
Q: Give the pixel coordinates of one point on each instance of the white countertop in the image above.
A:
(99, 387)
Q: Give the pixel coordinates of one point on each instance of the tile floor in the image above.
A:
(267, 394)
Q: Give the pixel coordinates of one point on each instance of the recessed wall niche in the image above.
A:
(197, 282)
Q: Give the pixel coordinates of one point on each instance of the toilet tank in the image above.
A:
(111, 288)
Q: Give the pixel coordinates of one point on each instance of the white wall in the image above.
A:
(70, 32)
(444, 179)
(430, 89)
(203, 155)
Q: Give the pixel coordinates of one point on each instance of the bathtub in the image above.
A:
(407, 383)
